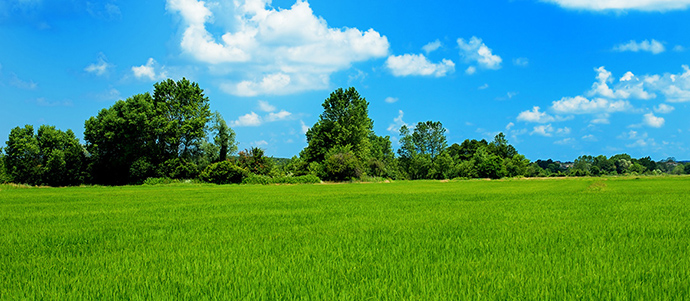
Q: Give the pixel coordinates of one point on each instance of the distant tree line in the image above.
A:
(172, 134)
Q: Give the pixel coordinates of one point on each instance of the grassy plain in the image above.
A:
(612, 238)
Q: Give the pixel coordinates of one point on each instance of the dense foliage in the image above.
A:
(172, 134)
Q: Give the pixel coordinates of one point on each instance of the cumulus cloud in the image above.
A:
(254, 119)
(282, 115)
(99, 68)
(22, 84)
(251, 119)
(476, 52)
(548, 131)
(431, 47)
(266, 107)
(675, 87)
(285, 50)
(471, 70)
(663, 109)
(653, 121)
(521, 62)
(535, 116)
(652, 46)
(303, 127)
(397, 123)
(418, 64)
(391, 100)
(629, 86)
(148, 71)
(614, 5)
(581, 105)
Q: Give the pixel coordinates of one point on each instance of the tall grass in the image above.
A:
(522, 239)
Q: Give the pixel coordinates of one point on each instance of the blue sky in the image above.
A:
(561, 78)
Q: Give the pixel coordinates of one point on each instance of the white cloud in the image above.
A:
(483, 87)
(548, 131)
(22, 84)
(282, 51)
(282, 115)
(653, 121)
(581, 105)
(652, 46)
(509, 126)
(678, 48)
(431, 47)
(675, 87)
(391, 100)
(266, 107)
(260, 143)
(589, 137)
(564, 141)
(521, 62)
(664, 109)
(418, 64)
(604, 5)
(304, 127)
(148, 71)
(471, 70)
(99, 68)
(475, 51)
(251, 119)
(628, 76)
(629, 86)
(397, 123)
(535, 116)
(543, 130)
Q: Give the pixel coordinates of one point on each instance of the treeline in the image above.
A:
(172, 134)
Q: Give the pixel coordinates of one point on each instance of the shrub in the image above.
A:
(341, 164)
(257, 179)
(224, 173)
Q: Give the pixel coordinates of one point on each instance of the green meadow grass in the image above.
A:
(593, 239)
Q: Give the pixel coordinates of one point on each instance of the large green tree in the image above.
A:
(150, 135)
(181, 114)
(420, 148)
(51, 157)
(122, 141)
(344, 121)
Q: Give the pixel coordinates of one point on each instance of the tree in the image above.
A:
(488, 165)
(344, 121)
(146, 136)
(381, 156)
(64, 160)
(419, 149)
(254, 161)
(23, 158)
(182, 112)
(466, 150)
(118, 137)
(4, 178)
(501, 147)
(52, 157)
(341, 164)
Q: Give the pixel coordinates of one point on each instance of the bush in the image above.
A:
(257, 179)
(160, 181)
(224, 173)
(264, 180)
(341, 164)
(178, 169)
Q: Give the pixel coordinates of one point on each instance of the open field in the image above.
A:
(591, 238)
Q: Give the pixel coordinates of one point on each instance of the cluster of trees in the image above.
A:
(173, 134)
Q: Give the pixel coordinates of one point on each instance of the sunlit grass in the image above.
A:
(611, 238)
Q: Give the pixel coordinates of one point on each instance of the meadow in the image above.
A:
(587, 238)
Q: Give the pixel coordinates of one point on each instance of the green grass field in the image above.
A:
(594, 239)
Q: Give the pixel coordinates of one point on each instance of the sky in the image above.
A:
(561, 78)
